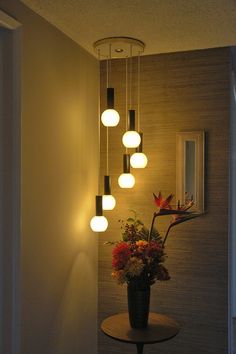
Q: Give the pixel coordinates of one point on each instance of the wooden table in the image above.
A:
(160, 328)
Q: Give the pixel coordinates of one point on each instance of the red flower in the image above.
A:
(121, 254)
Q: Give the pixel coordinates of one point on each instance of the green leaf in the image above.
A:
(139, 222)
(134, 212)
(111, 243)
(155, 235)
(130, 220)
(124, 237)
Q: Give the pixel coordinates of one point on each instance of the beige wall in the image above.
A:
(59, 181)
(179, 91)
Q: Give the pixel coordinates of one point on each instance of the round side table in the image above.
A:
(160, 328)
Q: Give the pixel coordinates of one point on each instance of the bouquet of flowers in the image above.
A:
(138, 259)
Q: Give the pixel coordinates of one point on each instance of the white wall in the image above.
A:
(59, 164)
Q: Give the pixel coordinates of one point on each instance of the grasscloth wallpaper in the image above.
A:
(180, 91)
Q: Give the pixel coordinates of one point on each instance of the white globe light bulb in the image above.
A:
(99, 223)
(138, 160)
(108, 202)
(131, 139)
(126, 180)
(110, 118)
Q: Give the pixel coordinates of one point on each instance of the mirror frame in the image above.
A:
(199, 138)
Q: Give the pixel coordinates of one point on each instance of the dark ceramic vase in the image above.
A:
(138, 306)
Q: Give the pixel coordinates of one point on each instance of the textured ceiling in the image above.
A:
(163, 25)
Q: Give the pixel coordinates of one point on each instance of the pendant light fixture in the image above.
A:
(108, 201)
(110, 117)
(131, 139)
(99, 223)
(114, 48)
(126, 179)
(139, 159)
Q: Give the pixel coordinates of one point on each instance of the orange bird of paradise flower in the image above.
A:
(179, 214)
(161, 202)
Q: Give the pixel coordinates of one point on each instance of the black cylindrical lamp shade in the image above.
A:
(140, 147)
(107, 185)
(98, 205)
(131, 120)
(131, 138)
(110, 117)
(110, 98)
(126, 163)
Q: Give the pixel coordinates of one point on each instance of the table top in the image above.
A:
(160, 328)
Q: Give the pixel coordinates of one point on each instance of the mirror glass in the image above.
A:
(190, 169)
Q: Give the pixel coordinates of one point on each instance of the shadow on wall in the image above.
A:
(75, 313)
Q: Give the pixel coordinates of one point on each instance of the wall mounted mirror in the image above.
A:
(190, 150)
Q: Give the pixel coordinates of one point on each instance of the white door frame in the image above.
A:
(12, 316)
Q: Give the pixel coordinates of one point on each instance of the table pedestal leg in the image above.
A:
(139, 348)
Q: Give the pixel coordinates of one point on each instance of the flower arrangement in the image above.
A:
(138, 259)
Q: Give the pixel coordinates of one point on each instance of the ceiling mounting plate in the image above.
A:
(118, 47)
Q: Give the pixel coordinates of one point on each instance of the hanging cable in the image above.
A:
(109, 64)
(130, 78)
(138, 108)
(126, 96)
(107, 131)
(107, 152)
(126, 93)
(99, 129)
(107, 68)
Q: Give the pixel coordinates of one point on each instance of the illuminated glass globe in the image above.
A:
(108, 202)
(131, 139)
(126, 180)
(110, 118)
(138, 160)
(99, 223)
